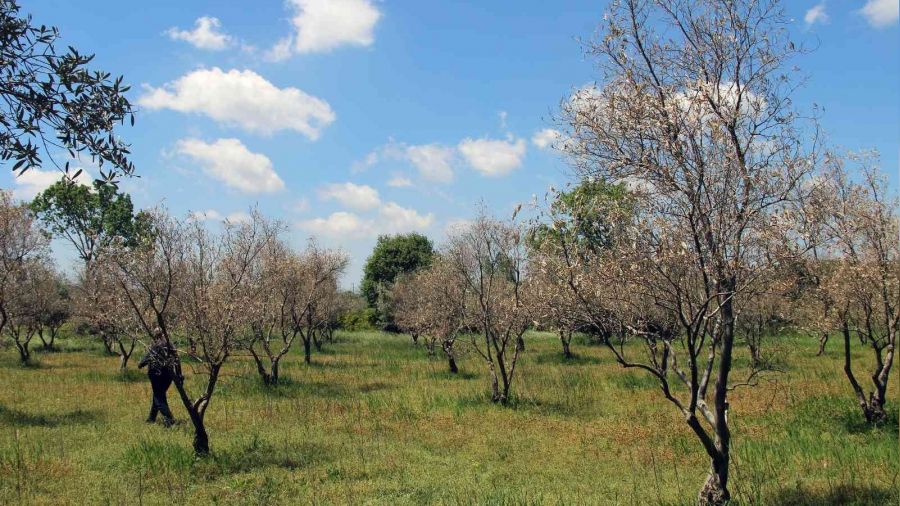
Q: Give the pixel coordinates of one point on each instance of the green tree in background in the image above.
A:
(392, 256)
(89, 217)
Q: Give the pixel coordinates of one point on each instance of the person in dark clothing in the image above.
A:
(159, 362)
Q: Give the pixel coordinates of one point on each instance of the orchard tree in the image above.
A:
(694, 114)
(299, 291)
(432, 302)
(99, 304)
(488, 258)
(52, 306)
(52, 101)
(393, 255)
(861, 284)
(23, 309)
(22, 245)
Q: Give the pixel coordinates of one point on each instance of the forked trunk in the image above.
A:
(823, 341)
(714, 491)
(24, 351)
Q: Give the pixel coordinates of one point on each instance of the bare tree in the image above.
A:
(488, 258)
(695, 115)
(859, 277)
(432, 302)
(21, 243)
(186, 281)
(52, 306)
(100, 305)
(299, 292)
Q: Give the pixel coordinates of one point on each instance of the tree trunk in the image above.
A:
(124, 354)
(566, 339)
(495, 386)
(273, 377)
(823, 341)
(307, 350)
(448, 350)
(415, 338)
(24, 352)
(714, 491)
(201, 438)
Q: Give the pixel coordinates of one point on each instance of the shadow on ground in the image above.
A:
(17, 418)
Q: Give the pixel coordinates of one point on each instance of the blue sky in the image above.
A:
(350, 118)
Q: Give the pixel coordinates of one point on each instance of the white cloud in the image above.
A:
(323, 25)
(208, 215)
(34, 181)
(493, 158)
(356, 196)
(229, 161)
(545, 138)
(433, 161)
(391, 219)
(205, 35)
(817, 14)
(399, 181)
(881, 13)
(244, 99)
(394, 219)
(339, 224)
(238, 217)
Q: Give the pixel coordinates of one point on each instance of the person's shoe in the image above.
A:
(169, 422)
(150, 420)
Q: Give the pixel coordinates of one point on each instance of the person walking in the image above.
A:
(159, 362)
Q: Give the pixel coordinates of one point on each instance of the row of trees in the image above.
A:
(707, 217)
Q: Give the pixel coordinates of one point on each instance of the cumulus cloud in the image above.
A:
(34, 181)
(395, 219)
(881, 13)
(545, 138)
(243, 99)
(230, 162)
(324, 25)
(817, 14)
(493, 158)
(433, 161)
(391, 218)
(339, 224)
(399, 181)
(356, 196)
(205, 35)
(208, 215)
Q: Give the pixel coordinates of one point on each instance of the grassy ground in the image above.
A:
(376, 421)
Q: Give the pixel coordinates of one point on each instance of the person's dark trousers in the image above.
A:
(159, 403)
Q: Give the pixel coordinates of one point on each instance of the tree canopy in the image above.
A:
(393, 255)
(89, 217)
(53, 102)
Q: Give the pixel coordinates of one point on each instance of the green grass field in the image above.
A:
(376, 421)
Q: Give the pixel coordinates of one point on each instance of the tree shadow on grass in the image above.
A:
(557, 358)
(840, 495)
(17, 418)
(855, 423)
(167, 456)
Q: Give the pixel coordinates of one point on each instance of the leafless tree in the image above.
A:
(21, 243)
(859, 272)
(432, 302)
(299, 291)
(99, 304)
(488, 257)
(52, 306)
(694, 115)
